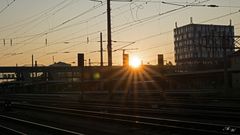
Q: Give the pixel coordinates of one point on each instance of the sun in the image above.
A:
(135, 62)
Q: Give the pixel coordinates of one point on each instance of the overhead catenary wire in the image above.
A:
(48, 32)
(125, 46)
(37, 35)
(79, 15)
(30, 19)
(149, 18)
(222, 16)
(8, 5)
(31, 36)
(52, 29)
(215, 18)
(44, 33)
(155, 35)
(64, 39)
(41, 19)
(201, 22)
(78, 23)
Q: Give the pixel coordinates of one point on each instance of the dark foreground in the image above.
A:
(139, 113)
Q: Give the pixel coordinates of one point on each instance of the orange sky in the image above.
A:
(73, 26)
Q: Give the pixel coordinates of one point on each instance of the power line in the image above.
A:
(146, 37)
(141, 21)
(77, 16)
(222, 16)
(8, 5)
(67, 21)
(39, 20)
(30, 19)
(55, 28)
(170, 31)
(42, 33)
(80, 22)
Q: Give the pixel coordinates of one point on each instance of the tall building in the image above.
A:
(201, 46)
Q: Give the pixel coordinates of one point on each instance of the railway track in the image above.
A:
(195, 112)
(131, 105)
(150, 114)
(10, 131)
(150, 96)
(190, 111)
(182, 126)
(35, 127)
(169, 100)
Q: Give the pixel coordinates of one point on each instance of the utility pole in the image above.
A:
(89, 62)
(11, 43)
(32, 73)
(32, 61)
(101, 50)
(109, 33)
(53, 59)
(46, 42)
(4, 42)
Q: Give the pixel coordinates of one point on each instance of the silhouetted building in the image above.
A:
(125, 59)
(63, 75)
(201, 46)
(160, 60)
(60, 64)
(80, 59)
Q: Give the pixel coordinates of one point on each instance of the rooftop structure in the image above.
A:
(60, 64)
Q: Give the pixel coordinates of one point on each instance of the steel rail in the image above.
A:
(131, 104)
(153, 110)
(11, 131)
(186, 126)
(46, 127)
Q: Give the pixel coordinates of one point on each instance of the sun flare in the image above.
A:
(135, 62)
